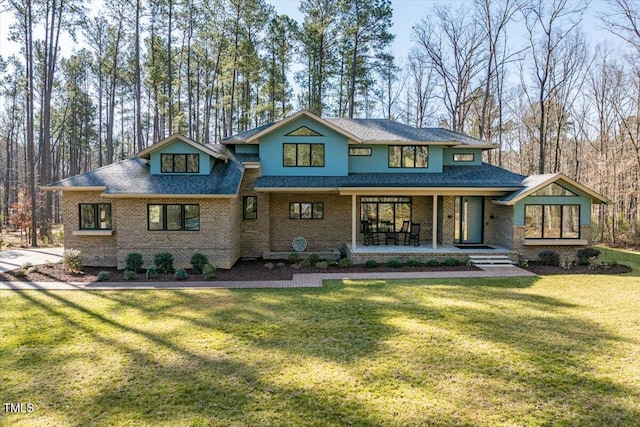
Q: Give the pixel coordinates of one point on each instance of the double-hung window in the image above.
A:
(95, 216)
(173, 217)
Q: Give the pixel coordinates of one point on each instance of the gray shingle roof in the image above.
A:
(242, 136)
(484, 176)
(133, 177)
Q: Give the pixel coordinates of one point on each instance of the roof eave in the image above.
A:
(72, 188)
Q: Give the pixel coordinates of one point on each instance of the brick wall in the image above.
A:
(448, 220)
(531, 252)
(499, 229)
(254, 235)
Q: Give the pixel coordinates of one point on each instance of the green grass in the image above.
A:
(557, 350)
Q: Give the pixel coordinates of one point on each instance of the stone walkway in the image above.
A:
(298, 281)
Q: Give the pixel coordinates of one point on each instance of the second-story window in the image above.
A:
(408, 156)
(301, 155)
(180, 163)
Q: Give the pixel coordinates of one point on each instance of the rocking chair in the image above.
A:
(413, 236)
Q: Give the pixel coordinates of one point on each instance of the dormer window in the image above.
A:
(180, 163)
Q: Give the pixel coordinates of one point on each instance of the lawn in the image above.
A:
(556, 350)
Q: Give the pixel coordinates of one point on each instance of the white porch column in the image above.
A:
(434, 237)
(353, 222)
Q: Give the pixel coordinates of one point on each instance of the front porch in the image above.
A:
(384, 253)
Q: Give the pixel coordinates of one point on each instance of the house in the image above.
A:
(312, 184)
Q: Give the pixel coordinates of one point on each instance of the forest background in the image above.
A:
(86, 84)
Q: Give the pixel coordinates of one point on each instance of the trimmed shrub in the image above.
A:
(152, 272)
(371, 263)
(549, 257)
(102, 276)
(26, 266)
(280, 265)
(164, 262)
(180, 274)
(269, 266)
(313, 259)
(432, 263)
(130, 275)
(345, 263)
(452, 262)
(394, 263)
(198, 261)
(322, 265)
(72, 260)
(208, 272)
(21, 273)
(566, 261)
(294, 257)
(305, 263)
(133, 262)
(585, 253)
(413, 263)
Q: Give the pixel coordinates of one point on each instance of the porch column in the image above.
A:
(353, 222)
(434, 236)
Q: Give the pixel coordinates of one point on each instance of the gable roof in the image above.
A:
(534, 183)
(367, 131)
(132, 178)
(218, 151)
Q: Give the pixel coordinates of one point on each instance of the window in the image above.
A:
(359, 151)
(378, 210)
(552, 222)
(553, 189)
(95, 216)
(250, 208)
(303, 131)
(309, 155)
(173, 217)
(180, 163)
(306, 210)
(463, 157)
(408, 156)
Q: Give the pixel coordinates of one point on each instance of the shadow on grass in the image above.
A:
(361, 353)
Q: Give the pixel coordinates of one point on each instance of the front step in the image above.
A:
(490, 261)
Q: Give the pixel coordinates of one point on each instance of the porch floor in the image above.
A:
(423, 252)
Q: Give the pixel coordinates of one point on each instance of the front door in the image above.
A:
(469, 217)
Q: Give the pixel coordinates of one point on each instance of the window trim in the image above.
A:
(96, 217)
(402, 165)
(562, 205)
(244, 208)
(313, 210)
(297, 157)
(183, 218)
(367, 149)
(473, 157)
(186, 163)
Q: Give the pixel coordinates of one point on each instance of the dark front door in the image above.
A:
(469, 217)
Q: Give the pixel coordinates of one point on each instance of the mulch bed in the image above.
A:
(242, 271)
(545, 270)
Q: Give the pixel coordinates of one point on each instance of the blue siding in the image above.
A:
(247, 148)
(450, 151)
(379, 161)
(179, 147)
(335, 151)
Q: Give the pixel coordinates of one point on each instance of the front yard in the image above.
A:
(554, 350)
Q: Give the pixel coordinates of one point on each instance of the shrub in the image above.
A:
(180, 274)
(152, 272)
(26, 266)
(198, 261)
(164, 262)
(345, 263)
(594, 263)
(294, 257)
(133, 262)
(313, 259)
(432, 263)
(549, 257)
(208, 272)
(72, 260)
(102, 276)
(371, 263)
(305, 263)
(32, 269)
(522, 261)
(322, 264)
(280, 265)
(269, 266)
(130, 275)
(452, 262)
(566, 261)
(394, 263)
(585, 253)
(21, 273)
(413, 263)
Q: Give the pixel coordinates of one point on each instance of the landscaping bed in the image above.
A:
(242, 271)
(544, 270)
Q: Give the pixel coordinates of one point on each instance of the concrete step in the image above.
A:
(490, 261)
